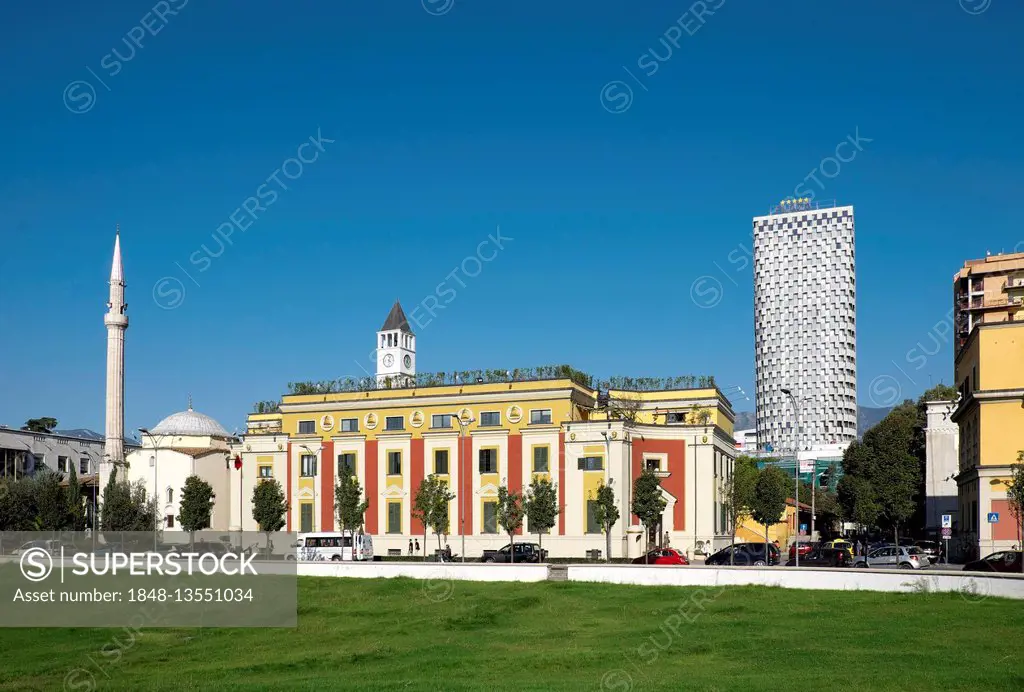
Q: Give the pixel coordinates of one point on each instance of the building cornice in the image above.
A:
(456, 400)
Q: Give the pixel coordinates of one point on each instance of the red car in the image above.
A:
(804, 549)
(662, 556)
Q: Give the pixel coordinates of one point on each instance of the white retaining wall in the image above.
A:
(971, 585)
(425, 570)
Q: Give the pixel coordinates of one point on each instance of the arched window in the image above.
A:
(170, 495)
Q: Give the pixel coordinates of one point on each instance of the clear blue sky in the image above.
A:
(446, 126)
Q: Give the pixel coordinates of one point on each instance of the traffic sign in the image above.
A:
(803, 528)
(946, 532)
(947, 521)
(993, 517)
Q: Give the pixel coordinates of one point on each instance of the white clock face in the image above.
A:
(389, 360)
(408, 362)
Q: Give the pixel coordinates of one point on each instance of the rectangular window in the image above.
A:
(394, 423)
(490, 418)
(394, 517)
(441, 420)
(306, 517)
(540, 459)
(62, 464)
(170, 521)
(652, 464)
(441, 462)
(394, 463)
(348, 425)
(307, 427)
(346, 465)
(83, 466)
(540, 416)
(592, 525)
(490, 517)
(266, 472)
(488, 461)
(591, 463)
(308, 465)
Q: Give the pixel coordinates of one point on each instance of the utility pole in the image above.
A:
(796, 473)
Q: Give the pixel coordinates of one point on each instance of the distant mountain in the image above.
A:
(867, 418)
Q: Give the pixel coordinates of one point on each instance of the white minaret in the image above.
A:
(116, 321)
(396, 350)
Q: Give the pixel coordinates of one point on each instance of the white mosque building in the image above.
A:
(182, 444)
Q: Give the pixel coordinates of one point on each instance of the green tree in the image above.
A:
(940, 392)
(51, 502)
(269, 508)
(196, 507)
(606, 514)
(350, 507)
(76, 503)
(18, 505)
(737, 491)
(126, 506)
(768, 501)
(40, 425)
(648, 502)
(510, 516)
(431, 507)
(1015, 495)
(541, 507)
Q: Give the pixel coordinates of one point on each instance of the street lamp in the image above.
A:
(463, 424)
(796, 473)
(156, 490)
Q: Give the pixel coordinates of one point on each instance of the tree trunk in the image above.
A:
(608, 544)
(512, 547)
(540, 545)
(732, 558)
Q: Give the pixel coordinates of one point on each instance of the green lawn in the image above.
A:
(399, 634)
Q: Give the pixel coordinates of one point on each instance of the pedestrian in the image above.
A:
(857, 548)
(417, 546)
(410, 546)
(447, 553)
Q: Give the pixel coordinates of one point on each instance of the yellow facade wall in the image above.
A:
(1003, 352)
(1002, 432)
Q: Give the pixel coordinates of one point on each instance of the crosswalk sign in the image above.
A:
(993, 517)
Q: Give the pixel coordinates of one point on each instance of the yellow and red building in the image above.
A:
(485, 431)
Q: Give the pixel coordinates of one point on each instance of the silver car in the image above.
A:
(888, 557)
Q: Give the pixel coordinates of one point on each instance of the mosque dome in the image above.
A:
(189, 423)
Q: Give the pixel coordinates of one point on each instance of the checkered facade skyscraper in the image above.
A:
(805, 325)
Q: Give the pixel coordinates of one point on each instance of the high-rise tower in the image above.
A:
(805, 325)
(116, 320)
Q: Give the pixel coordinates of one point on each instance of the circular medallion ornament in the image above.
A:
(327, 422)
(514, 414)
(704, 439)
(389, 360)
(416, 419)
(248, 448)
(408, 361)
(615, 435)
(572, 437)
(465, 414)
(370, 420)
(280, 448)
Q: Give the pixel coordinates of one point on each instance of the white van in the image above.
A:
(333, 545)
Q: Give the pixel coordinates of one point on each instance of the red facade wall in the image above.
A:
(465, 499)
(372, 493)
(1006, 528)
(416, 475)
(515, 467)
(327, 487)
(675, 484)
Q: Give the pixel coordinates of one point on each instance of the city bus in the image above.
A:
(333, 545)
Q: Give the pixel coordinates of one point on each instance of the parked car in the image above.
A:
(801, 547)
(839, 543)
(746, 554)
(823, 557)
(662, 556)
(932, 549)
(1003, 561)
(891, 556)
(52, 547)
(524, 552)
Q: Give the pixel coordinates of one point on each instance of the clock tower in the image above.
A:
(396, 350)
